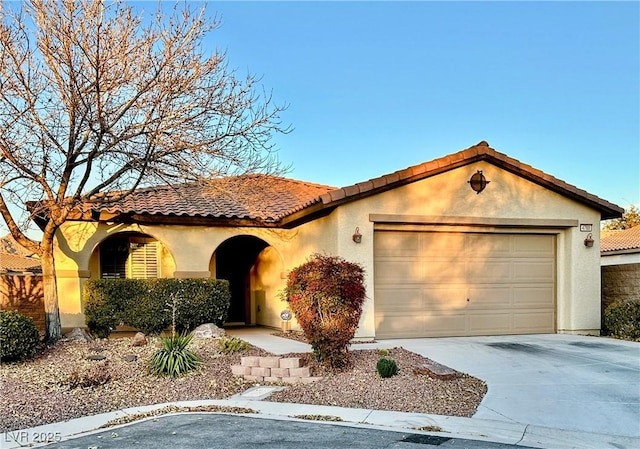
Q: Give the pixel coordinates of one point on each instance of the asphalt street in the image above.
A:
(216, 431)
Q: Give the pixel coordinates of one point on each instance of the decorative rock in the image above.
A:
(290, 362)
(280, 372)
(239, 370)
(250, 361)
(310, 380)
(269, 362)
(436, 371)
(208, 330)
(139, 339)
(96, 357)
(130, 358)
(300, 372)
(79, 334)
(259, 371)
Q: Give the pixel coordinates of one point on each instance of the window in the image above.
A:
(129, 257)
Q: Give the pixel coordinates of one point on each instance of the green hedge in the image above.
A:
(622, 320)
(146, 304)
(19, 336)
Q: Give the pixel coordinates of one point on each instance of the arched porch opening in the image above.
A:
(245, 261)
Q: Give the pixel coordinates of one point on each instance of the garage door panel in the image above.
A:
(444, 298)
(489, 298)
(398, 271)
(400, 325)
(542, 271)
(398, 244)
(489, 323)
(438, 271)
(483, 245)
(443, 244)
(488, 271)
(534, 246)
(533, 297)
(423, 280)
(436, 325)
(399, 299)
(533, 321)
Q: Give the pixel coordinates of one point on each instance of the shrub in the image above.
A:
(98, 374)
(326, 294)
(146, 304)
(622, 320)
(387, 367)
(205, 301)
(19, 336)
(106, 302)
(174, 359)
(149, 310)
(232, 345)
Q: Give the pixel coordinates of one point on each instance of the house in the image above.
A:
(473, 243)
(14, 264)
(620, 261)
(21, 281)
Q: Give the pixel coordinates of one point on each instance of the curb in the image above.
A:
(448, 426)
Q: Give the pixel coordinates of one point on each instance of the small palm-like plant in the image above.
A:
(174, 359)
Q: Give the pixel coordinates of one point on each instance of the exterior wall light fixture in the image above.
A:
(478, 182)
(588, 242)
(357, 237)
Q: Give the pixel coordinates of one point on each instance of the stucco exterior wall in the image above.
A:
(507, 197)
(188, 251)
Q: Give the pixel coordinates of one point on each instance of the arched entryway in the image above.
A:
(235, 261)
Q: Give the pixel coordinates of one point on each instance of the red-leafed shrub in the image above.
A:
(326, 294)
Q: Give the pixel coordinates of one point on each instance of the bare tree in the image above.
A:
(630, 219)
(96, 96)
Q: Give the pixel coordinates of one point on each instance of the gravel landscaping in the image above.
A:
(62, 383)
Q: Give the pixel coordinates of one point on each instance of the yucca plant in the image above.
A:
(174, 359)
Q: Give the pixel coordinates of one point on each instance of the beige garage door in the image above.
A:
(431, 284)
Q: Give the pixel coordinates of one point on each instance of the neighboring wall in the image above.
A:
(23, 293)
(620, 283)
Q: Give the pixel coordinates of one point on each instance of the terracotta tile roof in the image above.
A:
(8, 245)
(11, 263)
(480, 152)
(256, 197)
(265, 199)
(627, 239)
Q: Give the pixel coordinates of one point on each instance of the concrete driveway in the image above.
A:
(563, 381)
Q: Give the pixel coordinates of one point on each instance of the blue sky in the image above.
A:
(374, 87)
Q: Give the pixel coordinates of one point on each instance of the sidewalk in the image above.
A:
(449, 426)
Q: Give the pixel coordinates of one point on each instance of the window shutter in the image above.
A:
(143, 260)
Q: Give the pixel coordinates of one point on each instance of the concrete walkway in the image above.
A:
(499, 428)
